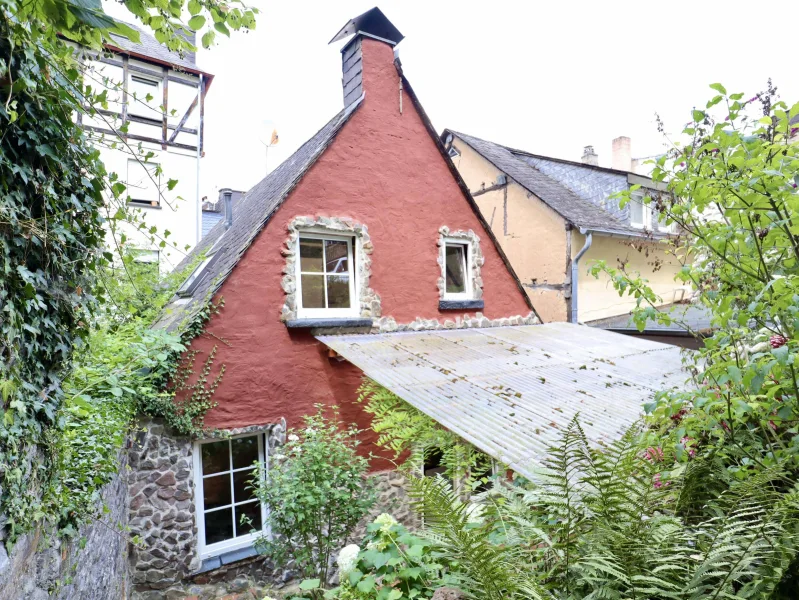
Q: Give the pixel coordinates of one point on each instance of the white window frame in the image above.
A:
(468, 288)
(146, 256)
(352, 248)
(156, 180)
(139, 106)
(245, 541)
(638, 197)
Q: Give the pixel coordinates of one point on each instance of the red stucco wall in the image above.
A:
(383, 170)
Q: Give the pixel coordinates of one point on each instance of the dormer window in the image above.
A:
(326, 280)
(640, 213)
(456, 261)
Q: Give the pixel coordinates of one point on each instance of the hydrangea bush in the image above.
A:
(392, 564)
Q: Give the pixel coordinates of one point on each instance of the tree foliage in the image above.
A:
(732, 189)
(410, 434)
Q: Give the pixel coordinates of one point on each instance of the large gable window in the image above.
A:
(229, 516)
(456, 263)
(325, 276)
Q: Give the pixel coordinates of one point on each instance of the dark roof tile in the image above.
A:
(576, 210)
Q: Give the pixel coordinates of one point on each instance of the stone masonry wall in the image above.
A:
(163, 514)
(161, 507)
(40, 565)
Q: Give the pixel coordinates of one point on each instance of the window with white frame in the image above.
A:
(326, 276)
(143, 183)
(144, 97)
(640, 213)
(229, 516)
(456, 270)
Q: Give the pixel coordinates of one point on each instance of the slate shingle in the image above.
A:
(576, 210)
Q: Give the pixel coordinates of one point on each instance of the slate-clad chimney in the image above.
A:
(590, 157)
(372, 24)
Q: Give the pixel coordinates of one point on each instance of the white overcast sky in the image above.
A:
(546, 77)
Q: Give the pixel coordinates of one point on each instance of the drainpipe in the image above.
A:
(589, 237)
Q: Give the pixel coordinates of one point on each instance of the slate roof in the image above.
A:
(689, 316)
(250, 216)
(149, 47)
(578, 211)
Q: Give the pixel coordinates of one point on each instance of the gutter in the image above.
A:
(589, 238)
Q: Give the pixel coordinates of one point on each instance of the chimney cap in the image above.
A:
(373, 23)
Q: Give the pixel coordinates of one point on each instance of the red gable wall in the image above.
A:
(383, 170)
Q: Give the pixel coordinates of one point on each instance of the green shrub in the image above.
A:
(317, 491)
(393, 564)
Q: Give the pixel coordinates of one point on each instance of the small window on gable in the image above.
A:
(640, 213)
(144, 97)
(453, 152)
(143, 183)
(326, 276)
(456, 263)
(229, 516)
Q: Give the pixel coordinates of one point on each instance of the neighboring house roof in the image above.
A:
(210, 218)
(577, 210)
(150, 49)
(250, 215)
(511, 391)
(689, 318)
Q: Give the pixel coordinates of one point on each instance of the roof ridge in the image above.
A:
(564, 201)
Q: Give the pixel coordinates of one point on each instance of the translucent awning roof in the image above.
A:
(511, 390)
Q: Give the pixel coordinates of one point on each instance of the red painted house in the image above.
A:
(366, 228)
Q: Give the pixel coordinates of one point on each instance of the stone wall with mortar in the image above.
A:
(163, 514)
(43, 567)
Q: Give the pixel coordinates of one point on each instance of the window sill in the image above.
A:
(225, 558)
(461, 304)
(329, 322)
(144, 204)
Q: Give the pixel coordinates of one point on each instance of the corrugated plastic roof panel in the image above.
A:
(511, 390)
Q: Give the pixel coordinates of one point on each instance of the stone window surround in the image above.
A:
(368, 299)
(474, 260)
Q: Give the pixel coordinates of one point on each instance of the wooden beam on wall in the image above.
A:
(125, 78)
(183, 120)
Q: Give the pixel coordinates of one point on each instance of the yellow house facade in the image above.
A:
(554, 218)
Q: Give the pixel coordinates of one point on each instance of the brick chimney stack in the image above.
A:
(622, 154)
(375, 27)
(590, 157)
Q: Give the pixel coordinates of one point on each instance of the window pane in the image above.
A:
(142, 181)
(251, 511)
(636, 212)
(310, 255)
(241, 486)
(216, 491)
(336, 256)
(218, 526)
(338, 291)
(313, 291)
(245, 451)
(455, 254)
(215, 457)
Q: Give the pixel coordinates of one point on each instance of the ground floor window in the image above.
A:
(229, 516)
